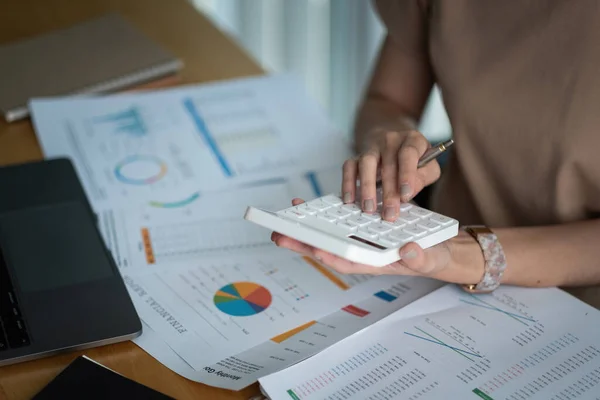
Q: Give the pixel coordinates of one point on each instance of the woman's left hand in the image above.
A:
(458, 260)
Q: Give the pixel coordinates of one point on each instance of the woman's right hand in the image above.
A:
(393, 156)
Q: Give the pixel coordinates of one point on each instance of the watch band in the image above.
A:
(495, 261)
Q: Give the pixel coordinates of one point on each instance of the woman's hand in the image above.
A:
(393, 156)
(457, 260)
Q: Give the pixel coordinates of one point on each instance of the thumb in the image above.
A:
(413, 257)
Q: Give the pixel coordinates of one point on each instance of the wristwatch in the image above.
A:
(493, 255)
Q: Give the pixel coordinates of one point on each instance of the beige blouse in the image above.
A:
(520, 80)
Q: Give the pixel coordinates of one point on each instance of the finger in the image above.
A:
(389, 176)
(349, 176)
(427, 174)
(413, 258)
(412, 148)
(297, 201)
(367, 168)
(275, 236)
(294, 245)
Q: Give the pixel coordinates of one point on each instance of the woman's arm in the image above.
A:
(388, 145)
(561, 255)
(396, 94)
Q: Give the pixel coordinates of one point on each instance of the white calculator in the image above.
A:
(344, 230)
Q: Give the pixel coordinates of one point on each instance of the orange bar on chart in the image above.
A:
(289, 334)
(148, 246)
(330, 275)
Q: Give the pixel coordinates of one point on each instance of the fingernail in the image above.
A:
(347, 197)
(409, 255)
(405, 190)
(369, 205)
(389, 212)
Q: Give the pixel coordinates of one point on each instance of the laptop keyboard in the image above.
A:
(12, 327)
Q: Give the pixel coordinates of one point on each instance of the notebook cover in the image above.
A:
(97, 56)
(86, 379)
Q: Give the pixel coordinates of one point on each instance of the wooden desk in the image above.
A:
(208, 55)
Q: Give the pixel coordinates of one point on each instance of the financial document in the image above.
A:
(169, 174)
(202, 278)
(220, 307)
(513, 344)
(240, 369)
(151, 236)
(165, 146)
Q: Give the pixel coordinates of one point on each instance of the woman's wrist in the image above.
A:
(467, 264)
(379, 116)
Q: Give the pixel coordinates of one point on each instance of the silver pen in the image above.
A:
(431, 154)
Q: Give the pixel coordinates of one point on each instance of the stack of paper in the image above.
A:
(170, 174)
(516, 344)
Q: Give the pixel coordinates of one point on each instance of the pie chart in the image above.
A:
(242, 299)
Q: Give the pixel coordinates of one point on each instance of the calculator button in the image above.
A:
(365, 234)
(295, 214)
(327, 217)
(397, 224)
(333, 200)
(408, 218)
(415, 230)
(352, 208)
(405, 206)
(429, 225)
(347, 226)
(372, 217)
(440, 219)
(359, 220)
(306, 209)
(318, 205)
(324, 226)
(338, 213)
(388, 241)
(379, 228)
(420, 212)
(401, 237)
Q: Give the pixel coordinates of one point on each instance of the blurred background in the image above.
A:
(329, 44)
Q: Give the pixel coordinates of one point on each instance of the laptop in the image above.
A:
(60, 289)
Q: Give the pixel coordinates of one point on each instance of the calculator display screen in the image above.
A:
(365, 241)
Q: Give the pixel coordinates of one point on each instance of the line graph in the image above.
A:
(478, 302)
(432, 339)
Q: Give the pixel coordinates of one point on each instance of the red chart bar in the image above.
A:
(359, 312)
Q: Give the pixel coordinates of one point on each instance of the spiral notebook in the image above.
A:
(100, 55)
